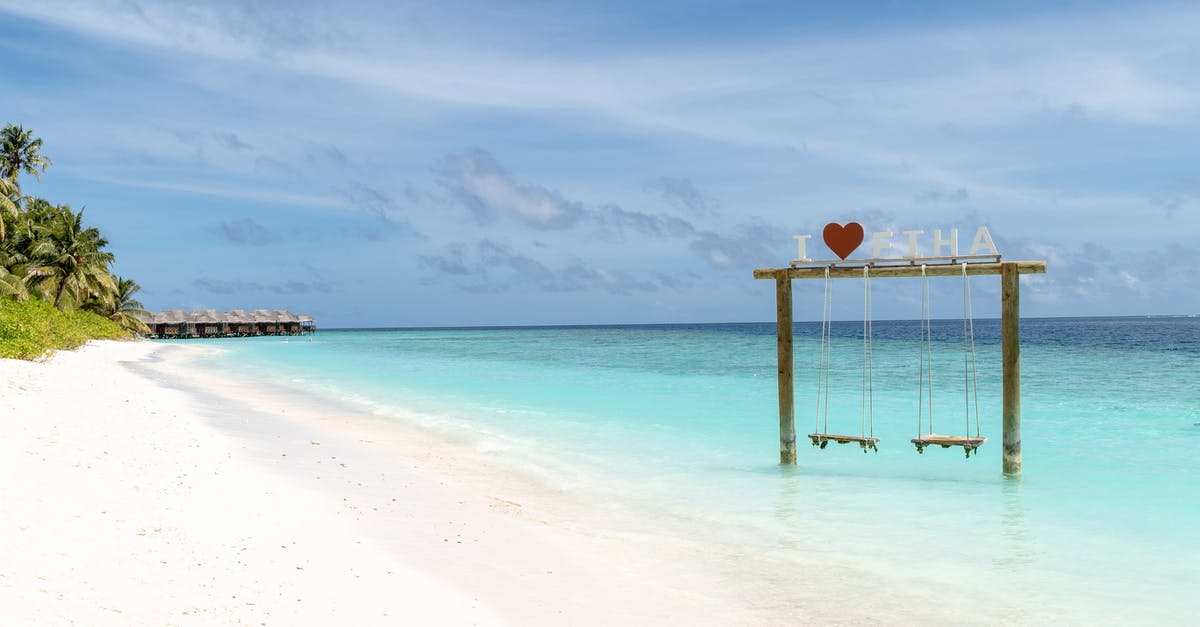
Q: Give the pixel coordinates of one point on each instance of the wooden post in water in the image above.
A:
(787, 410)
(1010, 334)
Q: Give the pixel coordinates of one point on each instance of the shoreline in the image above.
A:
(146, 483)
(240, 507)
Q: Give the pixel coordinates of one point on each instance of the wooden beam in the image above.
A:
(787, 410)
(905, 270)
(1010, 340)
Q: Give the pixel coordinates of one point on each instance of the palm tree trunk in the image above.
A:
(62, 287)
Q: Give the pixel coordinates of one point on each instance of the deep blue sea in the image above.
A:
(680, 424)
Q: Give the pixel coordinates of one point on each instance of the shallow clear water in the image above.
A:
(679, 423)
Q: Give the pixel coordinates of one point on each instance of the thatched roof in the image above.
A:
(235, 316)
(206, 316)
(171, 316)
(238, 316)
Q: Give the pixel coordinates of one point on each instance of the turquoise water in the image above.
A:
(679, 423)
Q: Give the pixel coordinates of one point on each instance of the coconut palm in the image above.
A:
(12, 285)
(68, 263)
(12, 270)
(8, 201)
(123, 308)
(20, 153)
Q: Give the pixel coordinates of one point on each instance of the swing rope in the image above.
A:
(821, 435)
(868, 362)
(823, 363)
(925, 377)
(969, 350)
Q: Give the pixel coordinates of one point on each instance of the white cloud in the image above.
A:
(490, 191)
(1130, 281)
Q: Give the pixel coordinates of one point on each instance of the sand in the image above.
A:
(136, 492)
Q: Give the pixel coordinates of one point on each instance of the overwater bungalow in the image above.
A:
(171, 323)
(239, 323)
(176, 323)
(265, 322)
(206, 323)
(289, 322)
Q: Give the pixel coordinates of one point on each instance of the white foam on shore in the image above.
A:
(128, 499)
(755, 583)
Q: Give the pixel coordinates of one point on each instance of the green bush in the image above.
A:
(29, 329)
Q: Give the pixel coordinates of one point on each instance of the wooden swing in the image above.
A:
(970, 381)
(820, 436)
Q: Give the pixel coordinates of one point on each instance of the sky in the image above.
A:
(380, 164)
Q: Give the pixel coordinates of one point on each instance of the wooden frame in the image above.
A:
(1010, 330)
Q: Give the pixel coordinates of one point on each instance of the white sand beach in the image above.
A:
(125, 500)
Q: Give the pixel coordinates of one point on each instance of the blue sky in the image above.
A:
(477, 163)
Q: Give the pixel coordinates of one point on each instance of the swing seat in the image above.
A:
(968, 443)
(822, 439)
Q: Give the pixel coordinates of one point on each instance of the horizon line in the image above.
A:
(677, 324)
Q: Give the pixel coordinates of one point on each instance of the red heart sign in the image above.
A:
(842, 240)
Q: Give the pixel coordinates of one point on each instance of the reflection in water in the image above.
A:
(1017, 552)
(1015, 571)
(785, 506)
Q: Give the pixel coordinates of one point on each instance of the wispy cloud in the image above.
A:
(495, 267)
(485, 187)
(654, 225)
(749, 244)
(957, 196)
(225, 287)
(1176, 195)
(231, 141)
(304, 287)
(217, 286)
(245, 232)
(683, 194)
(584, 277)
(228, 191)
(323, 156)
(372, 201)
(452, 263)
(490, 192)
(492, 254)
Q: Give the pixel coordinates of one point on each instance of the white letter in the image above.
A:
(880, 243)
(912, 243)
(938, 242)
(801, 242)
(983, 240)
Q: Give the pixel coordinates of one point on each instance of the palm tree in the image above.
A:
(69, 265)
(8, 204)
(12, 285)
(123, 308)
(19, 154)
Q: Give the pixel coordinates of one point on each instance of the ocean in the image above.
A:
(674, 430)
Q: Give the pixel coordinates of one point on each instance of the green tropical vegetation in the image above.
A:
(30, 328)
(57, 289)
